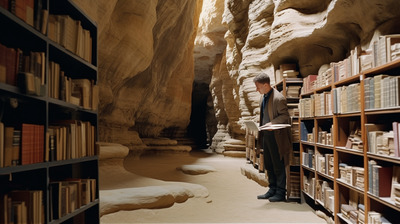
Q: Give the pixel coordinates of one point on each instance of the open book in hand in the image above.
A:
(270, 127)
(253, 126)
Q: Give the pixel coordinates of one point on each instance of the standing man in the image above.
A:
(276, 143)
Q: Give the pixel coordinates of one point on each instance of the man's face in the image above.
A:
(262, 88)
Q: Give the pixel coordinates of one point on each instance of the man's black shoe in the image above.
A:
(266, 195)
(276, 198)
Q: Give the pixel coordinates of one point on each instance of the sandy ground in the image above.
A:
(232, 196)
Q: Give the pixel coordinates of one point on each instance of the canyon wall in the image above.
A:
(146, 66)
(153, 55)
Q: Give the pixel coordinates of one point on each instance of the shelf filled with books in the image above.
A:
(290, 88)
(48, 113)
(364, 155)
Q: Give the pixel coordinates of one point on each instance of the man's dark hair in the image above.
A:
(262, 78)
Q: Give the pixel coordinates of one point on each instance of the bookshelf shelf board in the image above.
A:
(324, 117)
(323, 206)
(8, 19)
(292, 98)
(382, 68)
(391, 159)
(308, 194)
(352, 79)
(325, 175)
(280, 83)
(308, 168)
(306, 94)
(10, 90)
(384, 200)
(324, 146)
(289, 81)
(341, 182)
(63, 56)
(350, 151)
(322, 89)
(72, 161)
(341, 216)
(307, 118)
(76, 212)
(22, 168)
(392, 110)
(307, 143)
(349, 114)
(71, 106)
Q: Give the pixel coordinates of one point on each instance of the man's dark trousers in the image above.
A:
(273, 164)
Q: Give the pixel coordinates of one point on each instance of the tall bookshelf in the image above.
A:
(290, 89)
(337, 161)
(48, 103)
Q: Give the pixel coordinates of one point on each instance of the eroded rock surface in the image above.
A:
(151, 51)
(196, 169)
(123, 190)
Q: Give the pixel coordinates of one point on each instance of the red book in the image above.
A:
(27, 143)
(3, 62)
(41, 143)
(4, 4)
(11, 67)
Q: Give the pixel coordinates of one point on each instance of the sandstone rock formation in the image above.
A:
(151, 51)
(123, 190)
(146, 67)
(196, 169)
(264, 34)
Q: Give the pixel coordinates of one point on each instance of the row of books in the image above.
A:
(350, 213)
(309, 84)
(325, 164)
(325, 194)
(295, 130)
(308, 158)
(68, 195)
(22, 206)
(352, 175)
(354, 140)
(377, 218)
(322, 103)
(22, 145)
(294, 184)
(71, 139)
(324, 78)
(81, 92)
(383, 139)
(382, 91)
(319, 190)
(293, 91)
(380, 179)
(28, 143)
(70, 34)
(384, 50)
(325, 137)
(309, 184)
(293, 109)
(306, 107)
(30, 11)
(346, 99)
(15, 61)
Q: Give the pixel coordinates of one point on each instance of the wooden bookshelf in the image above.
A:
(25, 31)
(351, 152)
(292, 96)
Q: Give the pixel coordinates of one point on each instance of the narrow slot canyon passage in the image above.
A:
(232, 196)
